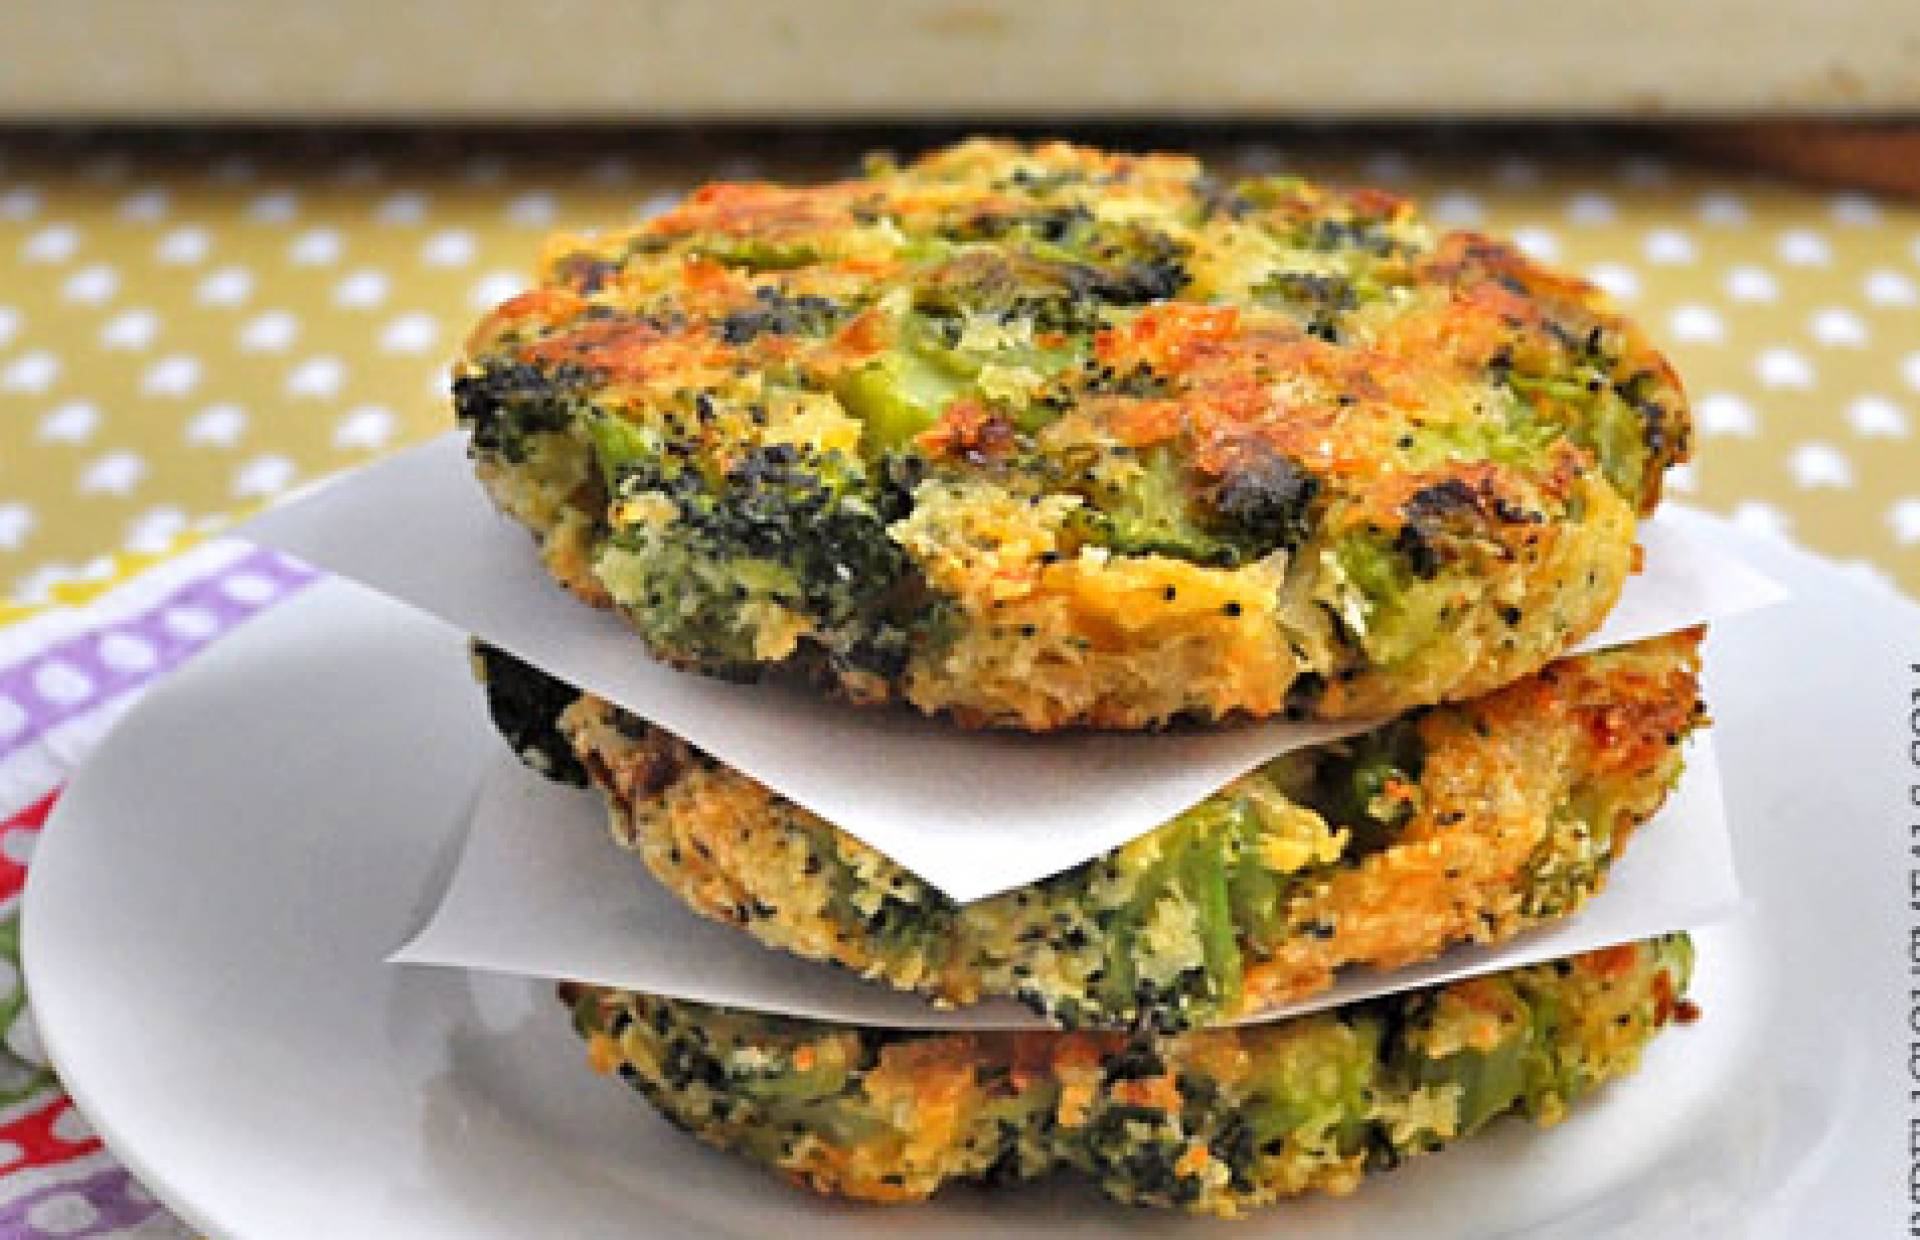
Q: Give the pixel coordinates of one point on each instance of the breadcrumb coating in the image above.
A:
(1042, 436)
(1216, 1122)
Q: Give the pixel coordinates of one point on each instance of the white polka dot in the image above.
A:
(217, 426)
(1758, 517)
(453, 247)
(1781, 367)
(183, 246)
(145, 206)
(1839, 328)
(16, 522)
(264, 475)
(1904, 517)
(1454, 208)
(30, 372)
(73, 422)
(228, 286)
(116, 473)
(1718, 207)
(495, 287)
(23, 1039)
(13, 718)
(1876, 417)
(9, 323)
(38, 586)
(127, 652)
(1804, 247)
(367, 428)
(155, 530)
(361, 289)
(1820, 465)
(190, 623)
(1681, 479)
(1853, 209)
(130, 329)
(1537, 242)
(1910, 370)
(317, 378)
(316, 247)
(1696, 324)
(405, 207)
(72, 1127)
(1884, 287)
(1722, 413)
(176, 375)
(1669, 246)
(91, 285)
(56, 243)
(410, 333)
(62, 1215)
(1752, 284)
(61, 684)
(1590, 208)
(1620, 282)
(271, 332)
(249, 588)
(534, 209)
(19, 203)
(275, 207)
(18, 845)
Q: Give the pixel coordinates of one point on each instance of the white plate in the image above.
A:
(207, 914)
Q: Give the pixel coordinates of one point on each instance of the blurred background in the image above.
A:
(238, 242)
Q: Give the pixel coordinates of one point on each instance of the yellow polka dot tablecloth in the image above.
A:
(191, 325)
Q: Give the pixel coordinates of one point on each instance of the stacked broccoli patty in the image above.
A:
(1042, 436)
(1215, 1122)
(1466, 822)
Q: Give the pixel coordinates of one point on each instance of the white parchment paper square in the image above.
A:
(541, 890)
(973, 813)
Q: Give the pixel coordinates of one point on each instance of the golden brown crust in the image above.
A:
(1520, 802)
(1045, 437)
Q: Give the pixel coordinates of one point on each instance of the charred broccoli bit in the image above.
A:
(1215, 1121)
(1158, 508)
(525, 704)
(1265, 503)
(789, 545)
(508, 403)
(782, 314)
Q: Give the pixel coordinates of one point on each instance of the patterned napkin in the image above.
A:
(65, 676)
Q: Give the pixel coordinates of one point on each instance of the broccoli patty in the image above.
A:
(1214, 1122)
(1467, 822)
(1044, 436)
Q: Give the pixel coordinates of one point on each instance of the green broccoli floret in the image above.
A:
(786, 537)
(506, 405)
(525, 704)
